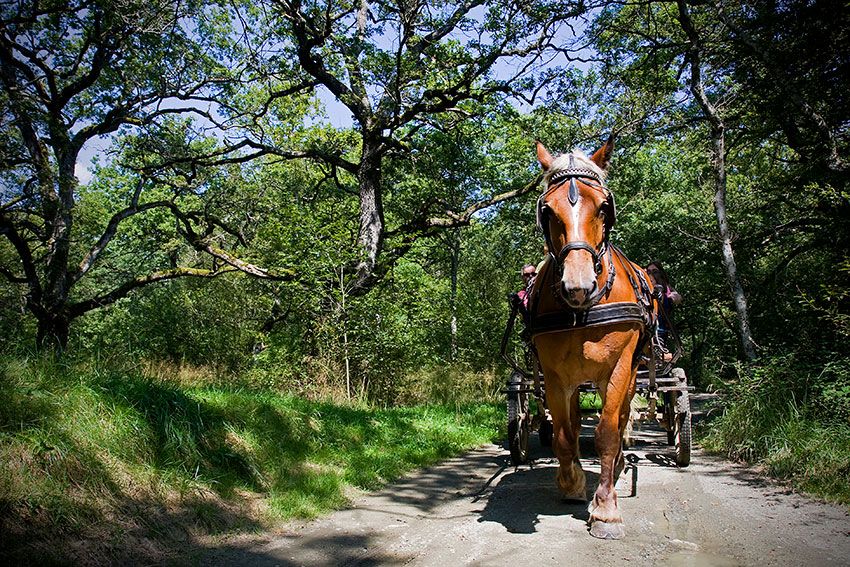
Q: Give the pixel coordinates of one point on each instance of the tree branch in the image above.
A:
(203, 244)
(453, 219)
(217, 158)
(7, 228)
(305, 39)
(77, 309)
(111, 229)
(786, 84)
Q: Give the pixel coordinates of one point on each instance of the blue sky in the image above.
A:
(337, 114)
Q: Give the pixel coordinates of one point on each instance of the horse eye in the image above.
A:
(602, 213)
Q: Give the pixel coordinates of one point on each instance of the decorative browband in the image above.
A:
(561, 175)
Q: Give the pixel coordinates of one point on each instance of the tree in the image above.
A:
(401, 68)
(793, 57)
(655, 62)
(765, 83)
(71, 72)
(718, 165)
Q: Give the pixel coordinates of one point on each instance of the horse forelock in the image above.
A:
(580, 160)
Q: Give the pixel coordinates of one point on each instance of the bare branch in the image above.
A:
(306, 38)
(222, 157)
(464, 217)
(11, 277)
(111, 229)
(7, 229)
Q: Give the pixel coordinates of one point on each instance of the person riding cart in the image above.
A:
(668, 299)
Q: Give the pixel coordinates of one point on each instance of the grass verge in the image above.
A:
(791, 420)
(112, 464)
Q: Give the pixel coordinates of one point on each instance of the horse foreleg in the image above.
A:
(605, 518)
(627, 417)
(566, 419)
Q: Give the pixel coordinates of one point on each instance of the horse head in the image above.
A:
(576, 213)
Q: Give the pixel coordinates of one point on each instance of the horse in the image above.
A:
(592, 315)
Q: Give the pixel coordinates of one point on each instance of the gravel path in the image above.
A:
(479, 510)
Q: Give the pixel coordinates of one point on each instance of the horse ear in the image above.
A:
(602, 156)
(543, 156)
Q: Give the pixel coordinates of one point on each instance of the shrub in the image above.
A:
(791, 418)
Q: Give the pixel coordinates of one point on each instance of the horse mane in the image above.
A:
(580, 159)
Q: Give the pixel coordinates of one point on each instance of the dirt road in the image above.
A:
(477, 509)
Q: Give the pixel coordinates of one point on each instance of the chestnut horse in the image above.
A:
(592, 314)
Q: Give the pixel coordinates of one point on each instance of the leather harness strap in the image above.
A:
(596, 316)
(638, 311)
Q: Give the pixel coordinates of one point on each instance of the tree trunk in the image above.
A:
(371, 233)
(55, 322)
(53, 331)
(455, 252)
(718, 162)
(726, 251)
(344, 322)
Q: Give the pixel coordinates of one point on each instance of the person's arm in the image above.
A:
(674, 296)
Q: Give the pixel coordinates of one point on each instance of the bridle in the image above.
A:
(563, 317)
(592, 179)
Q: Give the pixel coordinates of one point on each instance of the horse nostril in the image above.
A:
(578, 294)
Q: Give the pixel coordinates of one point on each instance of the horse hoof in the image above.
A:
(607, 530)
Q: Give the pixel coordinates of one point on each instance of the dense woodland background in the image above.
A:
(332, 199)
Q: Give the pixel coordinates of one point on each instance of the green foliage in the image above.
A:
(203, 323)
(793, 419)
(89, 448)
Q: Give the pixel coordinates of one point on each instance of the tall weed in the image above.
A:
(791, 418)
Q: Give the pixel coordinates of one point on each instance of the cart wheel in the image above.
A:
(683, 421)
(545, 432)
(519, 421)
(683, 439)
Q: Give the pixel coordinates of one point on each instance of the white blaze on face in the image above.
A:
(579, 271)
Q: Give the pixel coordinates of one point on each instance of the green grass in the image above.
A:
(101, 453)
(783, 417)
(590, 401)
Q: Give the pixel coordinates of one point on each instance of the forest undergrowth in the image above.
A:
(792, 420)
(107, 463)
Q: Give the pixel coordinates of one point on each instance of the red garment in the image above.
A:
(523, 297)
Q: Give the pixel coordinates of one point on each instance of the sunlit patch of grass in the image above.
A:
(590, 401)
(94, 450)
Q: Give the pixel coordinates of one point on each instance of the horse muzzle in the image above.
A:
(577, 297)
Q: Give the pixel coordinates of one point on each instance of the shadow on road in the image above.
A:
(516, 498)
(529, 492)
(522, 497)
